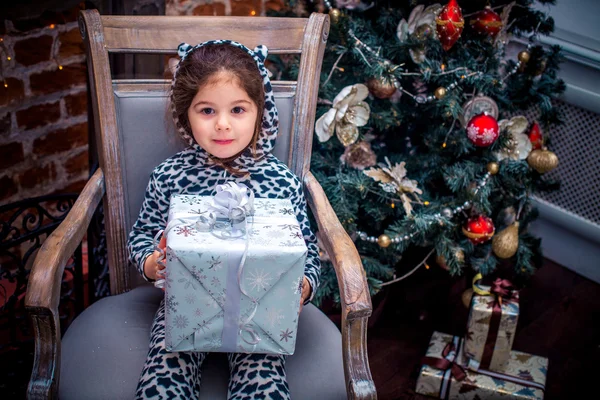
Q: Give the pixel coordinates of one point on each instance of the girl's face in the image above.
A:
(222, 117)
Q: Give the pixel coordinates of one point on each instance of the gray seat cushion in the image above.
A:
(104, 350)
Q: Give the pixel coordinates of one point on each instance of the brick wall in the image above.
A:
(43, 107)
(222, 7)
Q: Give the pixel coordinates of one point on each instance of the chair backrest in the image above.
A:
(132, 127)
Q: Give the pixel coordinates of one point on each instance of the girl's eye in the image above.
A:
(207, 111)
(237, 110)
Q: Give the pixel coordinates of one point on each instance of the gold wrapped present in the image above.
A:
(524, 376)
(491, 325)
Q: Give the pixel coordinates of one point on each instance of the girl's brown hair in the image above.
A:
(200, 68)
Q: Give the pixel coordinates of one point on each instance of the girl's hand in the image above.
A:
(151, 267)
(306, 291)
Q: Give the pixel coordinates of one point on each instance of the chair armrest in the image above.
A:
(43, 288)
(354, 291)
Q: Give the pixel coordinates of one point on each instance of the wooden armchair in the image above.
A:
(102, 353)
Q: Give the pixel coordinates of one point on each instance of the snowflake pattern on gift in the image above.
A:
(181, 337)
(296, 235)
(215, 281)
(287, 211)
(290, 227)
(291, 243)
(203, 326)
(198, 312)
(191, 200)
(261, 240)
(254, 232)
(181, 321)
(274, 317)
(215, 263)
(273, 234)
(264, 205)
(190, 298)
(259, 279)
(285, 335)
(171, 304)
(185, 231)
(211, 304)
(214, 342)
(198, 273)
(186, 281)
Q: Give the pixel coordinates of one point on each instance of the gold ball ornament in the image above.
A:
(466, 297)
(440, 93)
(493, 167)
(506, 243)
(382, 87)
(524, 56)
(335, 15)
(384, 241)
(542, 160)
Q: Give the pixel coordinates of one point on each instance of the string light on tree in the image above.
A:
(445, 213)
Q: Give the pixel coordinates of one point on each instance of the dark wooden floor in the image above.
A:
(559, 319)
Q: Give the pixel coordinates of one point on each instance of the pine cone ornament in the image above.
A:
(359, 155)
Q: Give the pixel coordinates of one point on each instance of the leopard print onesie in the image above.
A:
(169, 375)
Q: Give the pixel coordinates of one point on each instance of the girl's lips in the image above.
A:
(223, 141)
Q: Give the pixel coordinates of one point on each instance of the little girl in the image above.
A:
(223, 107)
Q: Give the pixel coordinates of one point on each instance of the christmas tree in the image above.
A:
(420, 142)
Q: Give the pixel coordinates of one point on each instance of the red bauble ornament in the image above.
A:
(450, 24)
(535, 136)
(482, 130)
(479, 229)
(486, 22)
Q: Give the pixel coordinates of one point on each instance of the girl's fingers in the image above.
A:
(163, 243)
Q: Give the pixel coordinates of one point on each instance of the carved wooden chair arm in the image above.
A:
(43, 288)
(354, 291)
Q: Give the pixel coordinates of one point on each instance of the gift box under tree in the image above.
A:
(491, 325)
(233, 284)
(444, 375)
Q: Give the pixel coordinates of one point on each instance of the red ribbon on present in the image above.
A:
(502, 290)
(442, 363)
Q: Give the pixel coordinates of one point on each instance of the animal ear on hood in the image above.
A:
(262, 52)
(183, 49)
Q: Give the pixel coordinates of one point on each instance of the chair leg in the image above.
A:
(46, 365)
(356, 362)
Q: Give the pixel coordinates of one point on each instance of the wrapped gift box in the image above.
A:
(214, 305)
(490, 337)
(524, 376)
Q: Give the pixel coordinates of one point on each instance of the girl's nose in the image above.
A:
(222, 123)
